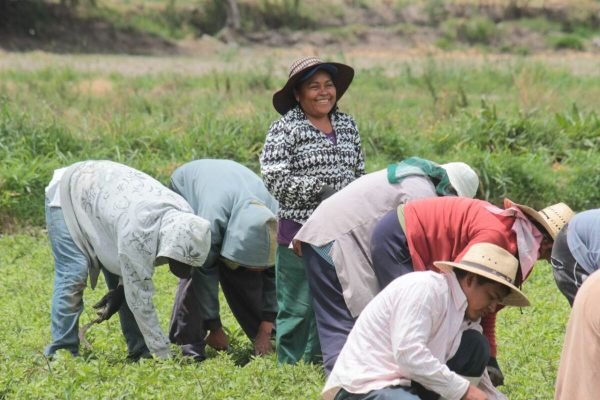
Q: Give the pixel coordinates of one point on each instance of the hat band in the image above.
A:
(487, 269)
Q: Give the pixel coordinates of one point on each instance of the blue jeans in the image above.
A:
(70, 275)
(388, 393)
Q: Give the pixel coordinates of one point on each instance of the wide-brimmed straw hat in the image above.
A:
(552, 218)
(494, 263)
(342, 74)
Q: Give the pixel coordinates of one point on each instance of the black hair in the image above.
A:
(542, 229)
(481, 280)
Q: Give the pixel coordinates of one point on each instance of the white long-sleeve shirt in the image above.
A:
(408, 332)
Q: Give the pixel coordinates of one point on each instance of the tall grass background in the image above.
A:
(529, 129)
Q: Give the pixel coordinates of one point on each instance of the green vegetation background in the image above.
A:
(529, 130)
(529, 343)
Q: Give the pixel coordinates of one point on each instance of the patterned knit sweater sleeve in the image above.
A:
(360, 162)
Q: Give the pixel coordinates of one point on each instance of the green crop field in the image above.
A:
(526, 124)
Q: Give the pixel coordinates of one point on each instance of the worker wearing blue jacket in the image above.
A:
(242, 216)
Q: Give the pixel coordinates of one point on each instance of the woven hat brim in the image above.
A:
(514, 298)
(284, 100)
(537, 217)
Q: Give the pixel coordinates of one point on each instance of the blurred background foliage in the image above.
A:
(529, 130)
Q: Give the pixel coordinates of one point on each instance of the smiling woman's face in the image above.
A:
(317, 95)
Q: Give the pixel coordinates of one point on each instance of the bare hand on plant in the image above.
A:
(110, 303)
(217, 339)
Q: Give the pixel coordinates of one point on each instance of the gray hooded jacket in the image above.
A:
(128, 222)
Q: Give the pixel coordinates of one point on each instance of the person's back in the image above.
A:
(115, 204)
(242, 215)
(443, 227)
(210, 183)
(359, 203)
(584, 243)
(114, 216)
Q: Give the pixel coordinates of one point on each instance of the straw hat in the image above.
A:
(552, 218)
(304, 67)
(494, 263)
(462, 178)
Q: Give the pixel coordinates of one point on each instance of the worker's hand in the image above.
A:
(110, 303)
(474, 393)
(217, 339)
(262, 342)
(494, 372)
(297, 247)
(179, 269)
(325, 192)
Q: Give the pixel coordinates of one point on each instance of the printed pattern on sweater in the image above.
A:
(298, 159)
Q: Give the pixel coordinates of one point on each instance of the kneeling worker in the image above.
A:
(420, 337)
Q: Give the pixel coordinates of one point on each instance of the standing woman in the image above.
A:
(311, 152)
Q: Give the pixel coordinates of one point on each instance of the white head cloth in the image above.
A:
(463, 178)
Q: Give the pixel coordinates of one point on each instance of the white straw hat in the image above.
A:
(494, 263)
(552, 218)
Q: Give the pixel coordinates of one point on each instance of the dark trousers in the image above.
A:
(568, 274)
(136, 346)
(243, 289)
(470, 360)
(334, 320)
(389, 250)
(391, 259)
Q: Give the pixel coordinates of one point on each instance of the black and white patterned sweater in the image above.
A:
(298, 159)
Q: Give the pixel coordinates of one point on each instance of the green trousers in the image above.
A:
(296, 336)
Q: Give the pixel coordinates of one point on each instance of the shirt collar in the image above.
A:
(458, 296)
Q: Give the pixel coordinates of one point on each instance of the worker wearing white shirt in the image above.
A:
(420, 337)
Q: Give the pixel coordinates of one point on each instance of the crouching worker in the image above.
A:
(104, 215)
(576, 252)
(243, 223)
(337, 239)
(419, 338)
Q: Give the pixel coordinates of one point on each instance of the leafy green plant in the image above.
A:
(102, 371)
(567, 41)
(476, 30)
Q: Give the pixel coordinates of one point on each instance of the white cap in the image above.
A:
(462, 177)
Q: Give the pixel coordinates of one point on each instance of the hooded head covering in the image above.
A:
(452, 178)
(462, 178)
(184, 237)
(251, 236)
